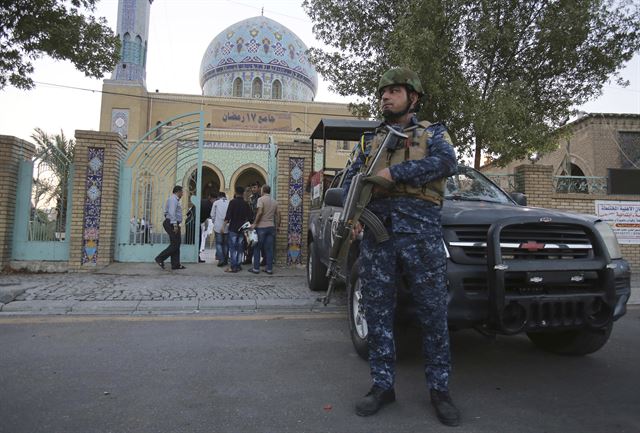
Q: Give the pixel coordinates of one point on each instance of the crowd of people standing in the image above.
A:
(244, 230)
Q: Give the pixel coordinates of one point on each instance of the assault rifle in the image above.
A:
(354, 210)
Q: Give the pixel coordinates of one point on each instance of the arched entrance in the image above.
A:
(211, 182)
(574, 181)
(247, 176)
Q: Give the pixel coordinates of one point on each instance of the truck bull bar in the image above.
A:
(511, 314)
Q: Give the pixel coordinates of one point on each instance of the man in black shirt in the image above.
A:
(238, 213)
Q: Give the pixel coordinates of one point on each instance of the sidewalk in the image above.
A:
(144, 288)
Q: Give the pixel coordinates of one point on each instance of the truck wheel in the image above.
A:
(357, 323)
(316, 271)
(574, 343)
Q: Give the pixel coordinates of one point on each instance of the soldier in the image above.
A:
(410, 211)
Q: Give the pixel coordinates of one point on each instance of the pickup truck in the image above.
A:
(558, 277)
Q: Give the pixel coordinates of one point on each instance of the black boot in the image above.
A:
(447, 413)
(374, 400)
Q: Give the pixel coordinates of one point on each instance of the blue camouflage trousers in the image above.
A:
(420, 260)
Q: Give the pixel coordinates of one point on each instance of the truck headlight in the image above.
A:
(609, 238)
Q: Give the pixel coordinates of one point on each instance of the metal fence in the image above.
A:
(580, 184)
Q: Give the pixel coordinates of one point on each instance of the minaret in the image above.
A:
(133, 31)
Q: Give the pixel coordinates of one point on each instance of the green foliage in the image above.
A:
(55, 155)
(502, 74)
(30, 29)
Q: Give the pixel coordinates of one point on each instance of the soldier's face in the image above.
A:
(395, 102)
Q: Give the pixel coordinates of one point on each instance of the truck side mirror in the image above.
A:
(519, 198)
(333, 197)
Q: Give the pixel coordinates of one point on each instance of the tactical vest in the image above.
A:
(415, 148)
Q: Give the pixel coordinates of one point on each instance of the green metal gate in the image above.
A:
(43, 203)
(169, 154)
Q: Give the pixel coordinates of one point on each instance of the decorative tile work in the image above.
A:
(220, 84)
(294, 228)
(133, 31)
(120, 121)
(226, 159)
(262, 46)
(92, 206)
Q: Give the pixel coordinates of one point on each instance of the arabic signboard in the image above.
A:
(190, 144)
(624, 218)
(239, 119)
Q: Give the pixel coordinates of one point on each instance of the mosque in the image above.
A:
(258, 96)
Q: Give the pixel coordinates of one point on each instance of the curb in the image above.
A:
(192, 307)
(9, 294)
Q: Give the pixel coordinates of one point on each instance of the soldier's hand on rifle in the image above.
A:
(385, 173)
(357, 229)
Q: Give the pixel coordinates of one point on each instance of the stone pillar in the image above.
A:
(536, 181)
(95, 199)
(12, 151)
(294, 169)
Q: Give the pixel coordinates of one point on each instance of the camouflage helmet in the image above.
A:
(400, 76)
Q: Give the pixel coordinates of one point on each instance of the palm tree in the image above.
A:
(54, 154)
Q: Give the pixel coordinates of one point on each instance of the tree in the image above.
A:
(60, 29)
(53, 155)
(503, 74)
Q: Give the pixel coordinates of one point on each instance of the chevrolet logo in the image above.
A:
(532, 246)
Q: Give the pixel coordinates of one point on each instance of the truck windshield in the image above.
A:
(470, 185)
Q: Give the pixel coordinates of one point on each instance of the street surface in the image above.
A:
(291, 372)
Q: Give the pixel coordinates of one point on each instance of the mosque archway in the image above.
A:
(247, 175)
(212, 181)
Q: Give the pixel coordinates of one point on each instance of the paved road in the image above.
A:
(291, 373)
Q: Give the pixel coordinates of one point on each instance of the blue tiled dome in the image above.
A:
(258, 58)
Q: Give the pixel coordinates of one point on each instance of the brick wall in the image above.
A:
(12, 151)
(115, 151)
(536, 182)
(592, 142)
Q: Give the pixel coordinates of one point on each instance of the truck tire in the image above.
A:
(316, 272)
(573, 343)
(357, 323)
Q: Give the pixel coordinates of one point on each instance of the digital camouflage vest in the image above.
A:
(414, 148)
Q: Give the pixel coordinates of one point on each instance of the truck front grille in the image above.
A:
(468, 244)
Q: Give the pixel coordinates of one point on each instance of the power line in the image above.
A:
(201, 103)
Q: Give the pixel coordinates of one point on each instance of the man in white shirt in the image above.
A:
(218, 213)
